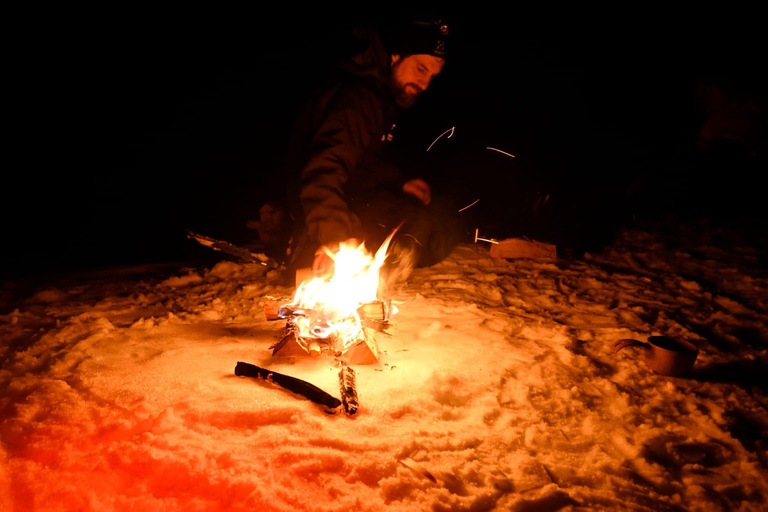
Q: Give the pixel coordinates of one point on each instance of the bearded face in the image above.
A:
(412, 74)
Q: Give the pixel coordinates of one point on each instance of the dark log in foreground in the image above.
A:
(348, 389)
(298, 386)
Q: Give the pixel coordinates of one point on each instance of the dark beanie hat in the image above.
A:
(419, 37)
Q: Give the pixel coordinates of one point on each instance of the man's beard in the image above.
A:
(405, 92)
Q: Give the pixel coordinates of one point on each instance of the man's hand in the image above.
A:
(420, 189)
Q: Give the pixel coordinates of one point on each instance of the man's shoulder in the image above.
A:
(360, 81)
(354, 88)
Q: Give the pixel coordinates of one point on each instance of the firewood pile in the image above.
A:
(322, 338)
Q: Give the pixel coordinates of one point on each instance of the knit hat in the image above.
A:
(420, 37)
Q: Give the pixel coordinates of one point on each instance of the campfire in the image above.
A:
(337, 315)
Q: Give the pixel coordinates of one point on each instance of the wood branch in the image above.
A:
(348, 389)
(240, 253)
(298, 386)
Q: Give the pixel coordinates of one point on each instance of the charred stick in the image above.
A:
(348, 389)
(298, 386)
(233, 250)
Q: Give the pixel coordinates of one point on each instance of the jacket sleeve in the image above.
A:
(352, 122)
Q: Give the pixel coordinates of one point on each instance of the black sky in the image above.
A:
(135, 128)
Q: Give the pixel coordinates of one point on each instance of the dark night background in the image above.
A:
(133, 128)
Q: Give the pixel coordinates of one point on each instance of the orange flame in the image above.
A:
(333, 301)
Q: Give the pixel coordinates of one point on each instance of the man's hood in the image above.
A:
(371, 58)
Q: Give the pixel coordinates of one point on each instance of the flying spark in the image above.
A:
(484, 239)
(446, 131)
(470, 205)
(500, 151)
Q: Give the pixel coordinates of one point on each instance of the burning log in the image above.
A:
(294, 344)
(298, 386)
(348, 389)
(291, 344)
(364, 350)
(336, 314)
(280, 309)
(320, 337)
(375, 315)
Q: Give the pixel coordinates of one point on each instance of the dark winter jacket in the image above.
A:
(338, 144)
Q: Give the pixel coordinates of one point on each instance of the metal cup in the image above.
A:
(664, 355)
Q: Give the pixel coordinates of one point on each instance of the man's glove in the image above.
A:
(419, 189)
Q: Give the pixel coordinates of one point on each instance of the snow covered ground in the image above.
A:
(497, 389)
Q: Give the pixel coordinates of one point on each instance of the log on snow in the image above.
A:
(298, 386)
(348, 390)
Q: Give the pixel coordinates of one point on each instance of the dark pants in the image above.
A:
(434, 229)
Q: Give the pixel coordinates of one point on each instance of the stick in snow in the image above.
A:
(348, 389)
(298, 386)
(239, 252)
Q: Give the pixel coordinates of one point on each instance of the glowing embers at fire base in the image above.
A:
(338, 314)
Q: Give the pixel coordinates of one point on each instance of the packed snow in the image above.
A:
(497, 388)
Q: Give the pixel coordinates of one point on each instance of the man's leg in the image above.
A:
(430, 231)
